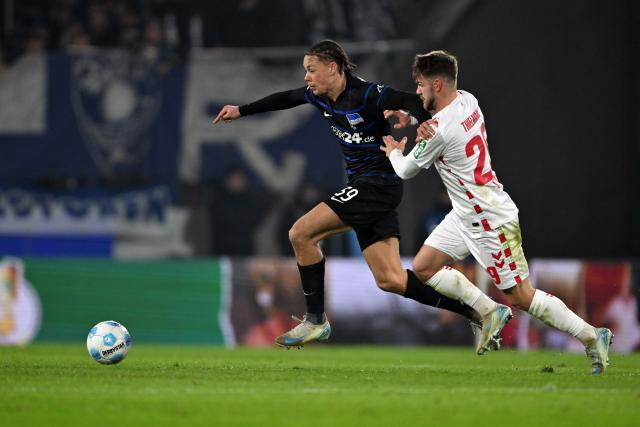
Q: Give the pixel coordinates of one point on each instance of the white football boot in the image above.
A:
(303, 333)
(598, 351)
(492, 325)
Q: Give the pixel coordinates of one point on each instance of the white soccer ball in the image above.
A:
(108, 342)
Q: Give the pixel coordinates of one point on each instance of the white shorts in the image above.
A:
(499, 251)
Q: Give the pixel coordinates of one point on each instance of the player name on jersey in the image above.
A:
(470, 121)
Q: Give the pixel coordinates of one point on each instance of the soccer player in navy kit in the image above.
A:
(354, 109)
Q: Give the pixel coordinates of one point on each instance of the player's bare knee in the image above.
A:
(423, 272)
(390, 282)
(297, 236)
(389, 286)
(518, 297)
(515, 303)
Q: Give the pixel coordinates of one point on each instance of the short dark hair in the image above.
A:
(436, 63)
(330, 51)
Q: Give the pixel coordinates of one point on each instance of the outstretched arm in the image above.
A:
(273, 102)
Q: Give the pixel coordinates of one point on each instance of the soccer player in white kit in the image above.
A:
(484, 219)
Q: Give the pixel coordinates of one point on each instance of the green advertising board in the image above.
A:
(158, 301)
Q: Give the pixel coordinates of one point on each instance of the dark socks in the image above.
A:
(425, 294)
(315, 318)
(313, 286)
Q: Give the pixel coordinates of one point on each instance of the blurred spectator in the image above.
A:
(36, 40)
(621, 315)
(356, 20)
(75, 39)
(264, 292)
(236, 211)
(77, 25)
(154, 48)
(276, 286)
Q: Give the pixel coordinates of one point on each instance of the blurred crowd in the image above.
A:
(75, 25)
(154, 26)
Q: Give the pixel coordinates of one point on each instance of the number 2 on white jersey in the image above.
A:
(480, 141)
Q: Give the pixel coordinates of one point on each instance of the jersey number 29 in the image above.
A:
(480, 141)
(345, 194)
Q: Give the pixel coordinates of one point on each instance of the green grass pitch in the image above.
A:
(321, 385)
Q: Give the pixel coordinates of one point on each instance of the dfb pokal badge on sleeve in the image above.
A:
(116, 97)
(20, 311)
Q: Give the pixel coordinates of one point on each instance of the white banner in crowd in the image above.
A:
(23, 96)
(134, 224)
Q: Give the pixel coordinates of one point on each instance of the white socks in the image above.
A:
(455, 285)
(553, 312)
(544, 306)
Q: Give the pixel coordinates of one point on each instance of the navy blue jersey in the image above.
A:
(356, 120)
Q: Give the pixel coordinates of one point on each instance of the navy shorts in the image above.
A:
(370, 209)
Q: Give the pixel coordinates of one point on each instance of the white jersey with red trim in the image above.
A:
(460, 154)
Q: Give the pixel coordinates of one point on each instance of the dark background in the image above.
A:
(558, 85)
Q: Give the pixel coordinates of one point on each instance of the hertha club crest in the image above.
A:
(115, 97)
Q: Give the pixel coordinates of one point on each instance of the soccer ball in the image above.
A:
(108, 342)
